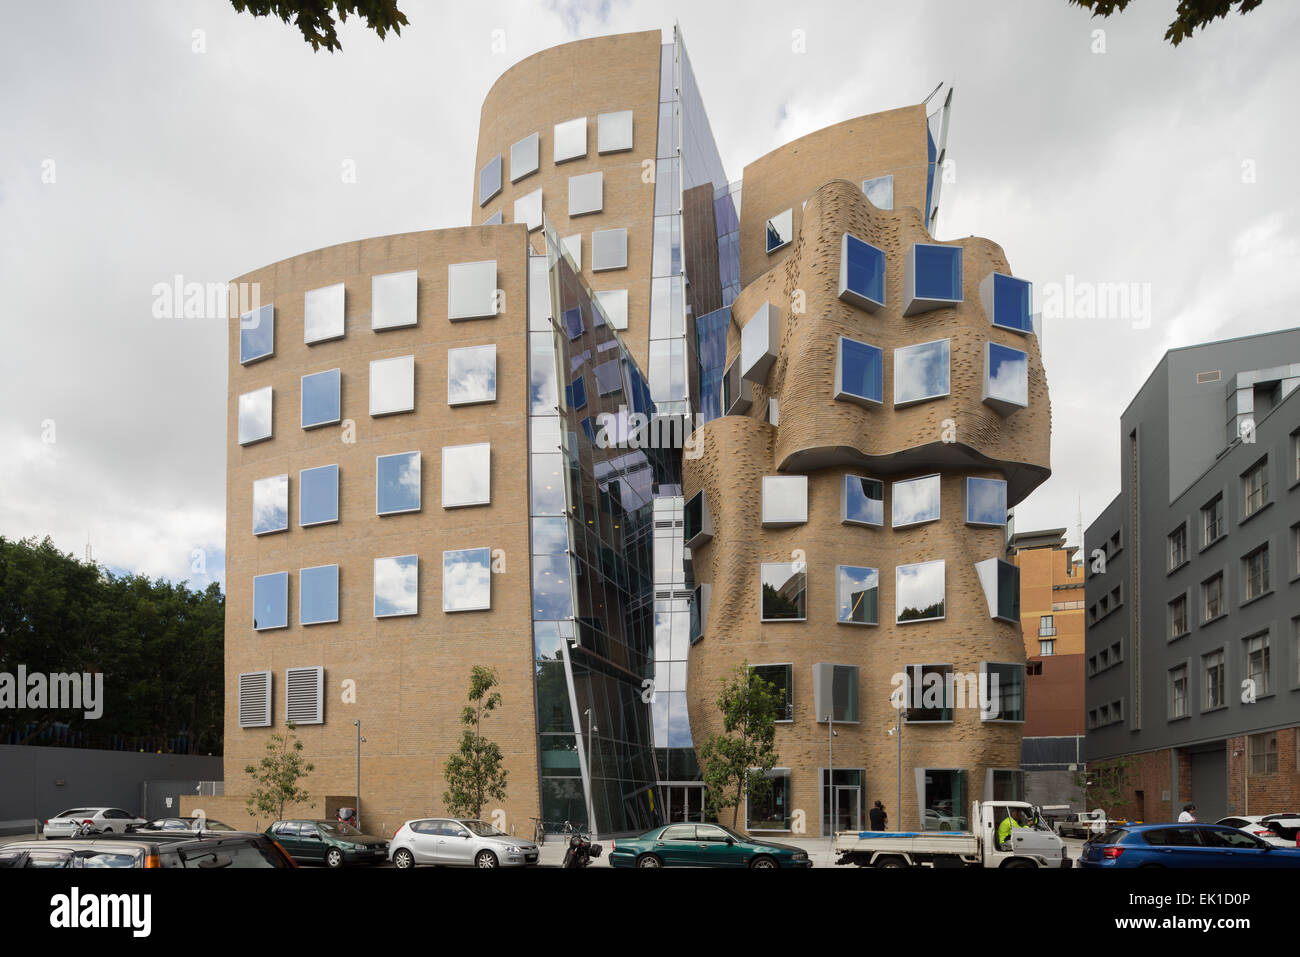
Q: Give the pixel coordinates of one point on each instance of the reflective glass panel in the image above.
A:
(916, 500)
(321, 398)
(257, 334)
(1007, 375)
(586, 193)
(614, 132)
(322, 313)
(255, 416)
(271, 601)
(489, 180)
(1012, 303)
(467, 579)
(397, 586)
(548, 484)
(570, 139)
(785, 499)
(880, 191)
(393, 299)
(466, 475)
(919, 591)
(1006, 684)
(614, 302)
(609, 377)
(397, 483)
(496, 219)
(784, 591)
(608, 249)
(471, 375)
(864, 501)
(780, 230)
(986, 501)
(524, 157)
(271, 504)
(860, 372)
(550, 536)
(862, 273)
(318, 495)
(528, 210)
(392, 385)
(921, 371)
(318, 595)
(577, 393)
(858, 591)
(471, 290)
(937, 271)
(552, 587)
(573, 246)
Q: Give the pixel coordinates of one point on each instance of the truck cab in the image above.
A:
(1032, 844)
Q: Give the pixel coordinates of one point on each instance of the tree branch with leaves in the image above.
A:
(277, 775)
(735, 763)
(474, 773)
(315, 18)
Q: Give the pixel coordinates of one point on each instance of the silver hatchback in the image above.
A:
(465, 842)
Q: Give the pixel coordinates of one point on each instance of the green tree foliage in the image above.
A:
(276, 776)
(1105, 783)
(735, 763)
(315, 18)
(474, 771)
(158, 645)
(1189, 15)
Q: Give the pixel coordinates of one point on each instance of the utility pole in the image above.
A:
(359, 742)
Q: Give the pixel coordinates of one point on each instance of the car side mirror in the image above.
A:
(731, 840)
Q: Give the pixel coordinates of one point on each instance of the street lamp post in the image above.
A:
(831, 735)
(360, 740)
(591, 780)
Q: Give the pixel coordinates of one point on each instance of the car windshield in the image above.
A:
(338, 830)
(483, 830)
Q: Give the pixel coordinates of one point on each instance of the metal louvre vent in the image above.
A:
(304, 695)
(1204, 377)
(255, 699)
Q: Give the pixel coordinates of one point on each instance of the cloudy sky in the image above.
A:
(128, 156)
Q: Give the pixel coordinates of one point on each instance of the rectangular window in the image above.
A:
(1213, 676)
(318, 595)
(1254, 487)
(784, 591)
(271, 601)
(941, 795)
(699, 611)
(323, 314)
(1178, 692)
(392, 385)
(397, 586)
(257, 334)
(921, 372)
(919, 592)
(1255, 573)
(1262, 752)
(1257, 663)
(862, 501)
(1212, 520)
(1046, 647)
(1006, 378)
(758, 343)
(570, 139)
(769, 809)
(524, 157)
(608, 249)
(859, 373)
(835, 692)
(1177, 546)
(697, 523)
(785, 500)
(271, 505)
(932, 277)
(471, 290)
(255, 416)
(397, 483)
(929, 694)
(471, 375)
(986, 501)
(1178, 617)
(781, 677)
(737, 391)
(858, 590)
(318, 495)
(1003, 691)
(466, 475)
(780, 230)
(862, 273)
(1212, 597)
(915, 501)
(614, 132)
(528, 210)
(489, 180)
(1008, 302)
(321, 398)
(467, 579)
(586, 193)
(393, 300)
(1001, 584)
(1046, 626)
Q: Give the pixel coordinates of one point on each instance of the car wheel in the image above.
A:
(1017, 862)
(891, 862)
(403, 859)
(485, 859)
(762, 861)
(334, 858)
(649, 860)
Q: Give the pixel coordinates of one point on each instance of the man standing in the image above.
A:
(879, 819)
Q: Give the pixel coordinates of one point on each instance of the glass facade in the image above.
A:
(859, 372)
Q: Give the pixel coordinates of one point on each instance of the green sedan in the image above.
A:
(702, 845)
(328, 842)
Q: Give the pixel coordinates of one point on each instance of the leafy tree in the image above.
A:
(315, 18)
(277, 775)
(1105, 783)
(1189, 15)
(474, 771)
(736, 762)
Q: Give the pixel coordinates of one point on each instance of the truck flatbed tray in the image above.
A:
(866, 835)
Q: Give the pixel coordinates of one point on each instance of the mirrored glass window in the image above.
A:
(863, 501)
(471, 375)
(524, 157)
(393, 300)
(467, 579)
(571, 139)
(668, 369)
(919, 592)
(668, 308)
(859, 373)
(318, 495)
(271, 504)
(471, 290)
(785, 500)
(921, 372)
(880, 191)
(1006, 691)
(552, 587)
(614, 132)
(986, 501)
(916, 500)
(835, 692)
(392, 385)
(930, 693)
(257, 334)
(1012, 306)
(609, 377)
(576, 393)
(547, 479)
(550, 536)
(858, 593)
(780, 230)
(466, 475)
(937, 272)
(1006, 375)
(318, 595)
(397, 483)
(544, 388)
(586, 193)
(271, 601)
(255, 416)
(784, 591)
(489, 179)
(1001, 584)
(321, 398)
(322, 313)
(496, 219)
(780, 677)
(608, 249)
(397, 586)
(528, 210)
(614, 302)
(862, 273)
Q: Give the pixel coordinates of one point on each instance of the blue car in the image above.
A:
(1184, 845)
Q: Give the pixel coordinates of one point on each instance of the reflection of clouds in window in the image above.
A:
(398, 479)
(397, 585)
(466, 475)
(672, 727)
(1008, 374)
(986, 501)
(323, 313)
(466, 579)
(257, 334)
(916, 500)
(552, 588)
(392, 385)
(271, 504)
(858, 588)
(864, 500)
(471, 374)
(255, 416)
(880, 191)
(919, 591)
(921, 371)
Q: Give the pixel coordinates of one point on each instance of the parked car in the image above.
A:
(328, 842)
(1184, 845)
(176, 824)
(702, 845)
(235, 849)
(1278, 830)
(937, 821)
(106, 820)
(463, 841)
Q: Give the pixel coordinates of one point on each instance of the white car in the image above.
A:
(1280, 830)
(461, 841)
(106, 820)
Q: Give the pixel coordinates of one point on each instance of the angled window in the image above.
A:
(255, 699)
(466, 475)
(528, 210)
(489, 180)
(835, 692)
(1001, 583)
(576, 392)
(737, 391)
(784, 591)
(697, 523)
(915, 501)
(862, 273)
(986, 501)
(785, 500)
(858, 595)
(318, 595)
(1003, 692)
(471, 375)
(880, 191)
(304, 695)
(270, 601)
(609, 377)
(758, 343)
(318, 495)
(570, 139)
(467, 579)
(524, 157)
(859, 372)
(255, 416)
(780, 677)
(608, 249)
(921, 372)
(397, 586)
(931, 277)
(1008, 302)
(392, 385)
(496, 219)
(780, 230)
(862, 501)
(322, 314)
(271, 504)
(472, 290)
(571, 322)
(614, 304)
(699, 611)
(1006, 378)
(930, 693)
(393, 300)
(257, 334)
(614, 132)
(919, 592)
(321, 398)
(586, 193)
(397, 483)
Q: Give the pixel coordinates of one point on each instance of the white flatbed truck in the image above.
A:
(1033, 846)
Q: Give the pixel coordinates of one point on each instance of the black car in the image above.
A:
(234, 849)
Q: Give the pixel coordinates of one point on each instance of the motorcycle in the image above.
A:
(580, 851)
